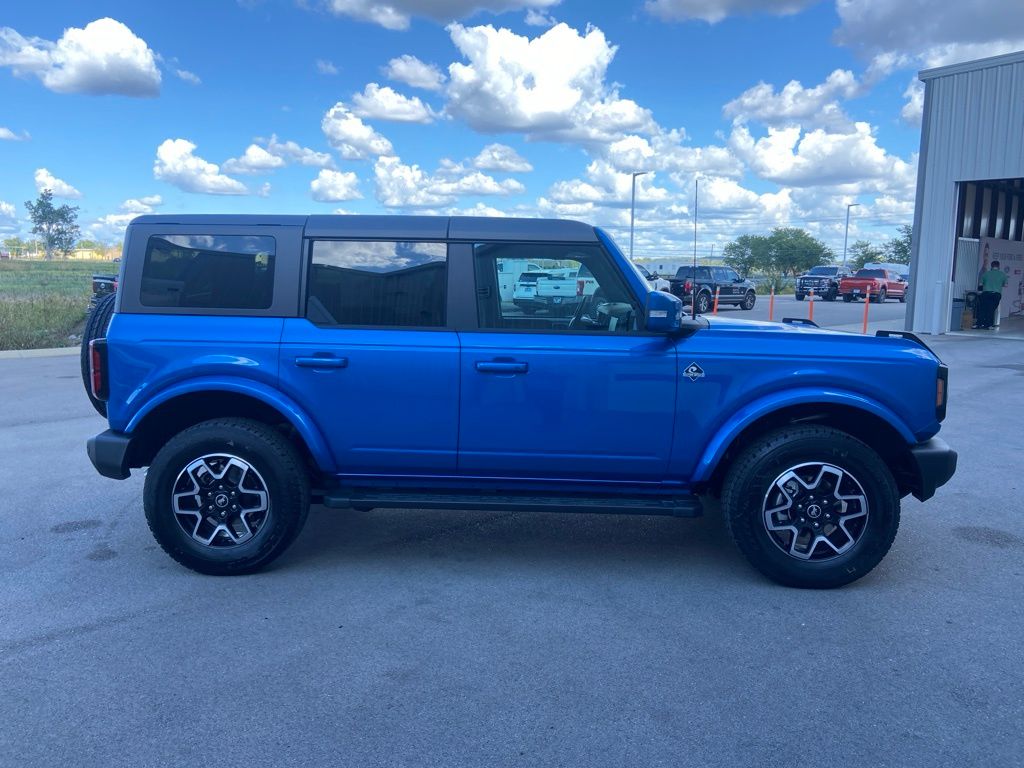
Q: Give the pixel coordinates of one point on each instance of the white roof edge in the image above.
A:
(971, 66)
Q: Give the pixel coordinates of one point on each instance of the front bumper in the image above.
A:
(108, 452)
(935, 463)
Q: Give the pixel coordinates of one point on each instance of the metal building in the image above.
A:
(970, 191)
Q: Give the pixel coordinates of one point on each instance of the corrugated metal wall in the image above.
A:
(973, 130)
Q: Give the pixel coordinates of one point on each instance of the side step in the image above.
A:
(675, 506)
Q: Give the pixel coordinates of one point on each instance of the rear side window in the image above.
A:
(208, 271)
(377, 283)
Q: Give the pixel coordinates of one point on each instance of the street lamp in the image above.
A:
(632, 211)
(846, 235)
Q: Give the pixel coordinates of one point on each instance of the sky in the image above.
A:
(782, 111)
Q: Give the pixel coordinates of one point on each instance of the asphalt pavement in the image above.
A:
(412, 638)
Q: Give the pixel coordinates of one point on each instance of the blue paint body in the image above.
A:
(464, 407)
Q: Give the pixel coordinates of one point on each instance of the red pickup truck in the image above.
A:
(882, 283)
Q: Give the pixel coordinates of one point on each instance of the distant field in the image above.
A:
(43, 303)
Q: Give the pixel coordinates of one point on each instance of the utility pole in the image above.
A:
(846, 236)
(693, 277)
(632, 211)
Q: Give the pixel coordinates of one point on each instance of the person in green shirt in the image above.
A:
(992, 283)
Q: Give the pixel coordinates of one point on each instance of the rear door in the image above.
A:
(372, 359)
(584, 396)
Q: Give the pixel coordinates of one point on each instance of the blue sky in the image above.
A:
(786, 110)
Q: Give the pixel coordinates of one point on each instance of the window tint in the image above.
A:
(871, 273)
(208, 271)
(731, 275)
(577, 289)
(381, 283)
(826, 271)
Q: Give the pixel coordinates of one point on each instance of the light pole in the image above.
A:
(846, 235)
(632, 211)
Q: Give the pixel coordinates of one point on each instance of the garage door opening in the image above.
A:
(990, 239)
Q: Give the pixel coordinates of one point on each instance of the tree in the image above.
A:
(58, 226)
(862, 252)
(748, 254)
(796, 251)
(897, 250)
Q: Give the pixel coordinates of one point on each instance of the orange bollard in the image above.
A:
(867, 303)
(714, 311)
(810, 305)
(771, 304)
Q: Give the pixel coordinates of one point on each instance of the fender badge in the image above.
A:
(693, 372)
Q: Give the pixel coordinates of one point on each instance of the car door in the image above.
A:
(373, 361)
(564, 398)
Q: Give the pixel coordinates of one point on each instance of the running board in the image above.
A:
(675, 506)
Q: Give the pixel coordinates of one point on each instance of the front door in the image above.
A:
(564, 395)
(372, 361)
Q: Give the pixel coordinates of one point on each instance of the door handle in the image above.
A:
(501, 367)
(322, 362)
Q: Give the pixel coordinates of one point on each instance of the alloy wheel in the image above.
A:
(220, 500)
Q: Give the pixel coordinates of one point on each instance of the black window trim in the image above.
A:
(307, 269)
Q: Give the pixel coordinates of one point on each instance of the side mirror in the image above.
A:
(664, 312)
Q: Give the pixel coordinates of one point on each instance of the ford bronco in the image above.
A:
(258, 364)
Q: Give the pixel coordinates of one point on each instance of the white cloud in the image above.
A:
(294, 153)
(607, 186)
(409, 186)
(536, 18)
(325, 67)
(549, 87)
(189, 77)
(713, 11)
(176, 164)
(137, 205)
(913, 110)
(110, 227)
(501, 157)
(8, 217)
(6, 134)
(396, 14)
(256, 159)
(795, 104)
(384, 103)
(351, 137)
(415, 73)
(335, 186)
(104, 57)
(59, 187)
(817, 157)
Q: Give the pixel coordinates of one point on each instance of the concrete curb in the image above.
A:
(9, 354)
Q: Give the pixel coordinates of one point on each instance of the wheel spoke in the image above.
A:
(220, 500)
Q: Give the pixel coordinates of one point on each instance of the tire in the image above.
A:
(751, 487)
(880, 299)
(277, 467)
(96, 326)
(703, 302)
(749, 301)
(799, 297)
(903, 298)
(847, 298)
(832, 295)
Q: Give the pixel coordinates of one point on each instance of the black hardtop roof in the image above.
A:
(414, 227)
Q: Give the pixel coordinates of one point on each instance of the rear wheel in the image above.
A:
(703, 302)
(880, 299)
(749, 301)
(832, 295)
(226, 496)
(811, 506)
(96, 326)
(847, 298)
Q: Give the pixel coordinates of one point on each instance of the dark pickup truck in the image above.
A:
(732, 289)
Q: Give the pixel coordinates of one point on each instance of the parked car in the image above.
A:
(824, 281)
(882, 283)
(509, 278)
(732, 289)
(258, 364)
(524, 295)
(102, 285)
(656, 281)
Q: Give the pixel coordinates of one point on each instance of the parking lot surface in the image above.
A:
(432, 638)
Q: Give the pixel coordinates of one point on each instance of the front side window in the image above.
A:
(575, 288)
(208, 271)
(377, 283)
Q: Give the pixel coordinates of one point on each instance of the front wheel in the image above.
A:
(799, 297)
(226, 496)
(847, 298)
(832, 295)
(748, 301)
(811, 506)
(881, 297)
(903, 298)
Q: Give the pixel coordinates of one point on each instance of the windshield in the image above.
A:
(824, 271)
(870, 273)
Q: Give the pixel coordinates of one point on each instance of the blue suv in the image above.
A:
(258, 364)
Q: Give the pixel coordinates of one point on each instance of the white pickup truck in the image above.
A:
(558, 291)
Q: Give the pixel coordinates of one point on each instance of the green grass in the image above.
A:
(43, 303)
